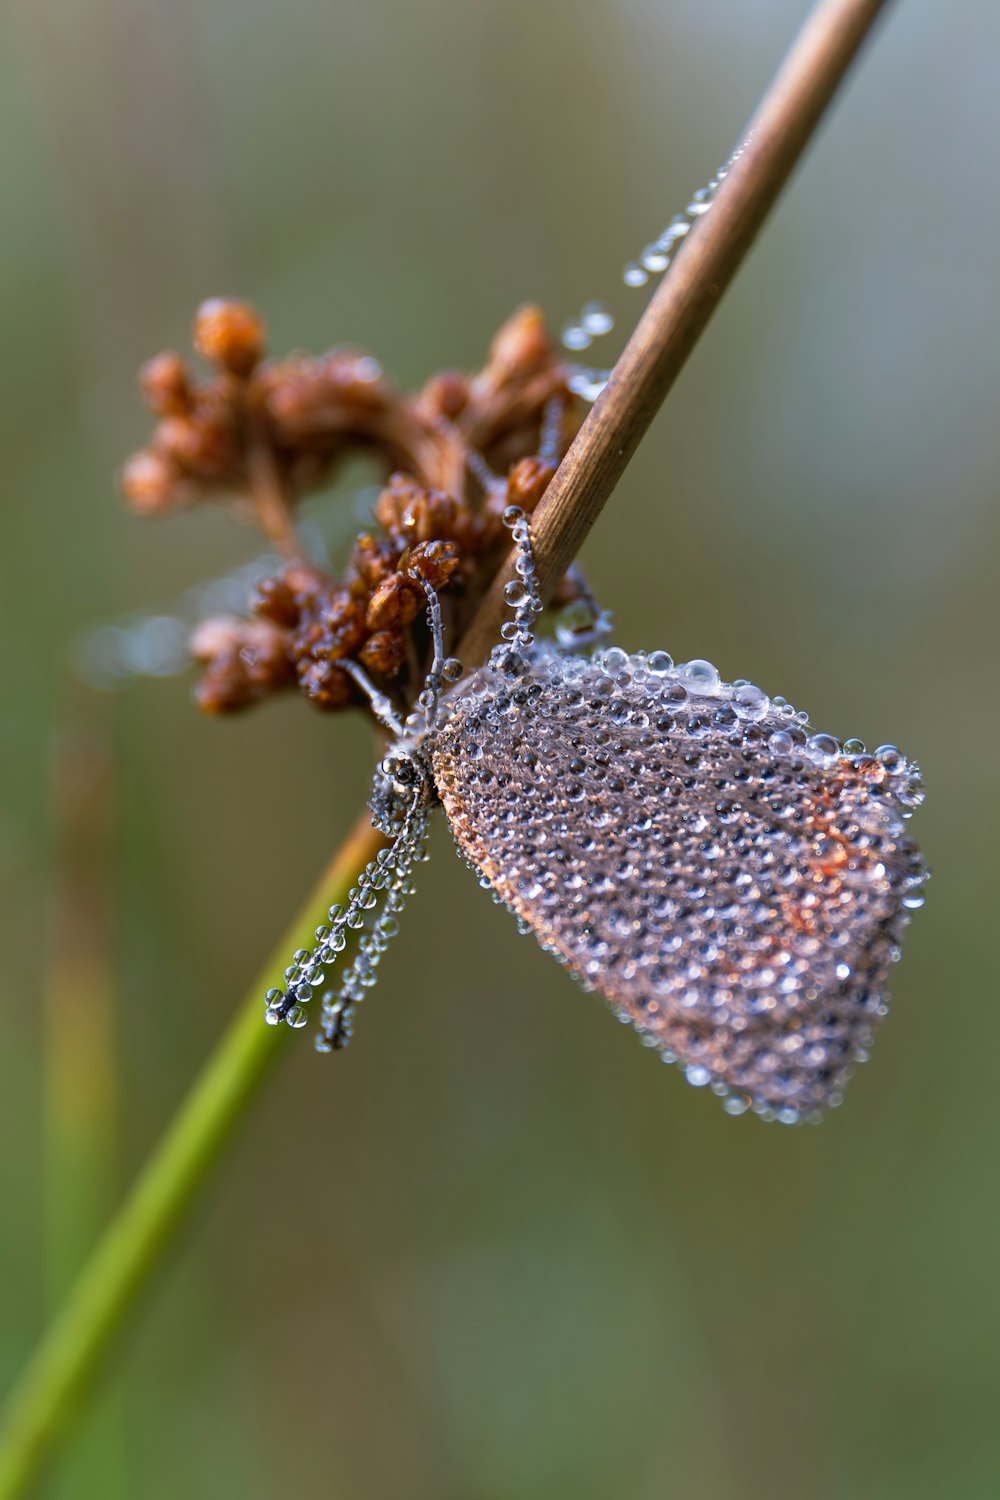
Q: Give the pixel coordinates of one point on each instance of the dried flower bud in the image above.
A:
(166, 385)
(527, 482)
(395, 602)
(445, 395)
(521, 347)
(411, 513)
(229, 334)
(150, 483)
(372, 561)
(245, 661)
(215, 635)
(203, 444)
(274, 600)
(318, 404)
(325, 685)
(283, 598)
(434, 562)
(384, 652)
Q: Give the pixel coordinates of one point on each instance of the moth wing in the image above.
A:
(736, 901)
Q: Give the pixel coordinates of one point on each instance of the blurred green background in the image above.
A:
(497, 1250)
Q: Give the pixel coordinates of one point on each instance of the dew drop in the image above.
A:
(750, 702)
(892, 758)
(655, 258)
(596, 320)
(697, 1076)
(822, 748)
(615, 662)
(702, 678)
(576, 337)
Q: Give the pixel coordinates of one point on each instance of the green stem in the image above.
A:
(74, 1347)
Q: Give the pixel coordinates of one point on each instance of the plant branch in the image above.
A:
(689, 294)
(74, 1347)
(269, 498)
(130, 1251)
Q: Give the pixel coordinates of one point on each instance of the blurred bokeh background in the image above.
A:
(497, 1250)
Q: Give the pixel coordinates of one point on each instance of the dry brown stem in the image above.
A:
(673, 322)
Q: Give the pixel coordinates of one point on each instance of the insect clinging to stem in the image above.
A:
(735, 885)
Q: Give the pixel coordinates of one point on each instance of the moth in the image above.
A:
(735, 885)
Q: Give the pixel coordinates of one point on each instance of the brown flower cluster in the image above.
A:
(261, 433)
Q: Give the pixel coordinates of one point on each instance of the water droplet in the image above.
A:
(596, 319)
(588, 384)
(655, 258)
(615, 662)
(701, 678)
(822, 748)
(660, 663)
(575, 337)
(750, 703)
(892, 758)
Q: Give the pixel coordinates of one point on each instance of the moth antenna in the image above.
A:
(389, 871)
(594, 320)
(396, 868)
(381, 705)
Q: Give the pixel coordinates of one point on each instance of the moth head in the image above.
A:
(402, 781)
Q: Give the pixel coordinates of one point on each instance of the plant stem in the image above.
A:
(269, 499)
(133, 1246)
(676, 316)
(75, 1345)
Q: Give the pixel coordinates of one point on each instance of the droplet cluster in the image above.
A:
(734, 883)
(594, 320)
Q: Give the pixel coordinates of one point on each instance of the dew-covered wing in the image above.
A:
(733, 883)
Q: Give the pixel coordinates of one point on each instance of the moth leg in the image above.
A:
(522, 594)
(381, 706)
(430, 693)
